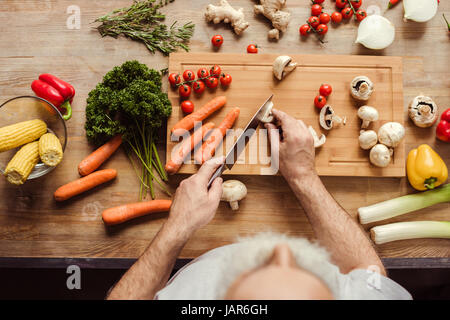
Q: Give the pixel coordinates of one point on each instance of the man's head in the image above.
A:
(279, 278)
(273, 266)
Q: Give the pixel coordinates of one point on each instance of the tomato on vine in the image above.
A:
(188, 75)
(347, 13)
(322, 29)
(356, 3)
(361, 15)
(341, 3)
(324, 18)
(174, 79)
(320, 101)
(325, 89)
(252, 48)
(212, 82)
(217, 40)
(336, 17)
(198, 86)
(313, 21)
(202, 73)
(316, 9)
(305, 29)
(215, 71)
(225, 80)
(319, 1)
(184, 90)
(187, 106)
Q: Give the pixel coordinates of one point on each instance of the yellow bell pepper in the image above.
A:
(425, 168)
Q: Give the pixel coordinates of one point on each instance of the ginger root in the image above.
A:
(271, 9)
(228, 14)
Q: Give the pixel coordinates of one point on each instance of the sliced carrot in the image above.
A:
(81, 185)
(188, 122)
(129, 211)
(186, 147)
(209, 147)
(96, 158)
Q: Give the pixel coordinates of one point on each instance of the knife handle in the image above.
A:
(216, 174)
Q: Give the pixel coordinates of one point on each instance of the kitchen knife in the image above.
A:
(243, 139)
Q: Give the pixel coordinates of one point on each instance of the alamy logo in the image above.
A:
(74, 280)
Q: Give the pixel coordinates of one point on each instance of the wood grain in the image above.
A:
(254, 82)
(34, 39)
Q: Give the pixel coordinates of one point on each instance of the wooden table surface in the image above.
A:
(35, 39)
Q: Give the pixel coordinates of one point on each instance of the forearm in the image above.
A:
(349, 246)
(152, 270)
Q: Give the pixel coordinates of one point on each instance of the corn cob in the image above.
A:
(50, 150)
(21, 133)
(23, 162)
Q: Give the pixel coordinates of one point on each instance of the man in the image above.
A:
(342, 265)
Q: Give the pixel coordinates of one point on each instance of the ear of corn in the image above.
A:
(21, 133)
(23, 162)
(50, 150)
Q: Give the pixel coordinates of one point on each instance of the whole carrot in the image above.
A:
(188, 122)
(81, 185)
(186, 147)
(96, 158)
(209, 146)
(129, 211)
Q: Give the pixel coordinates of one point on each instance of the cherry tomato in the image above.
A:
(356, 3)
(325, 90)
(202, 73)
(215, 71)
(184, 91)
(187, 106)
(212, 82)
(341, 3)
(316, 9)
(361, 15)
(314, 21)
(320, 101)
(198, 86)
(174, 79)
(225, 80)
(305, 30)
(217, 40)
(252, 48)
(324, 18)
(188, 75)
(322, 29)
(318, 1)
(336, 17)
(347, 13)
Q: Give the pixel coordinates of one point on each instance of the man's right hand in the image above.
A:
(295, 147)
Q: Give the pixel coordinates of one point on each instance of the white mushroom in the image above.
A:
(282, 66)
(367, 139)
(380, 155)
(328, 117)
(391, 134)
(361, 88)
(318, 141)
(233, 191)
(367, 114)
(268, 116)
(423, 111)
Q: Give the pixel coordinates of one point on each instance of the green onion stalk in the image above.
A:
(410, 230)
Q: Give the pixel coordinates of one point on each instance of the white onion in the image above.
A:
(375, 32)
(420, 10)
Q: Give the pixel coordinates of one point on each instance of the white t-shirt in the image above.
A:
(198, 281)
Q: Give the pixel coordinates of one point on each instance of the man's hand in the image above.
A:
(295, 147)
(194, 205)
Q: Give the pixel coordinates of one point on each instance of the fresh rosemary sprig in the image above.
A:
(143, 21)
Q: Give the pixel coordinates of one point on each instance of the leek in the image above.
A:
(398, 206)
(410, 230)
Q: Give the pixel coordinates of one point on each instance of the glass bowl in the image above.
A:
(25, 108)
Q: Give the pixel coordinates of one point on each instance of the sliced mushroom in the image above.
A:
(233, 191)
(361, 88)
(423, 111)
(328, 118)
(268, 116)
(367, 114)
(367, 139)
(282, 66)
(318, 141)
(380, 155)
(391, 134)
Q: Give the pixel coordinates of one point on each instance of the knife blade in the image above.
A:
(242, 141)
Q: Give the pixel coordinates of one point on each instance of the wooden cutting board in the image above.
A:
(253, 82)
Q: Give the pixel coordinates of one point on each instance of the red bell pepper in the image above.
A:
(56, 91)
(443, 127)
